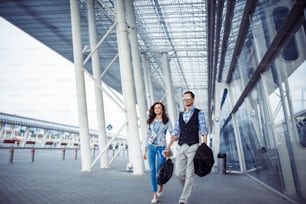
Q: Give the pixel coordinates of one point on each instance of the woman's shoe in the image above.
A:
(159, 193)
(154, 200)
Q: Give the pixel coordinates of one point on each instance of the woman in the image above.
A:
(158, 125)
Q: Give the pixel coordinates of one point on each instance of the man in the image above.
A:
(190, 123)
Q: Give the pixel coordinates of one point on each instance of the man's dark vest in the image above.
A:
(190, 130)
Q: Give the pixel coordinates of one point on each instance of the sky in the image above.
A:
(36, 82)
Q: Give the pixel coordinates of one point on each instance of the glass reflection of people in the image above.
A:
(190, 124)
(158, 125)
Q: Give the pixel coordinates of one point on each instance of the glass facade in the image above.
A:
(270, 123)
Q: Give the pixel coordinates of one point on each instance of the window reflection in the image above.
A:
(289, 52)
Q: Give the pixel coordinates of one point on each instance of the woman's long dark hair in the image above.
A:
(152, 115)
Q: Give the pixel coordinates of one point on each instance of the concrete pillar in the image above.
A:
(96, 76)
(169, 89)
(181, 103)
(128, 89)
(216, 120)
(44, 139)
(148, 81)
(2, 133)
(138, 76)
(80, 84)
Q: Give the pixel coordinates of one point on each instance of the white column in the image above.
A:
(148, 81)
(97, 80)
(80, 84)
(181, 103)
(1, 133)
(128, 89)
(169, 89)
(148, 92)
(25, 136)
(44, 139)
(216, 120)
(139, 84)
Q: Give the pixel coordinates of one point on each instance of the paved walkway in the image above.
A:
(49, 179)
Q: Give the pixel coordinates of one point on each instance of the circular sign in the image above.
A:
(109, 127)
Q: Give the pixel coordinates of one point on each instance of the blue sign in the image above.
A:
(109, 127)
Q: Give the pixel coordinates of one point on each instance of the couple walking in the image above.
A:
(190, 123)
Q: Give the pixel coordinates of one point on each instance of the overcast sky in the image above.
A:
(37, 82)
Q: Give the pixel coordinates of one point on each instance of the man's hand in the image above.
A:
(204, 139)
(174, 138)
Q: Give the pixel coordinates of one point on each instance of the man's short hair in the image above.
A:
(189, 92)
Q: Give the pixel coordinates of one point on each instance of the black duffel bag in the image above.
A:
(203, 160)
(165, 172)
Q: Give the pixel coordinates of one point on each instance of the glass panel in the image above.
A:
(266, 20)
(227, 136)
(248, 137)
(225, 108)
(284, 87)
(228, 145)
(261, 156)
(236, 87)
(289, 52)
(297, 85)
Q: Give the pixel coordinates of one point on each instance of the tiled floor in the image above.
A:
(50, 179)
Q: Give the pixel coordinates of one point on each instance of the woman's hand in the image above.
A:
(173, 139)
(145, 154)
(167, 153)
